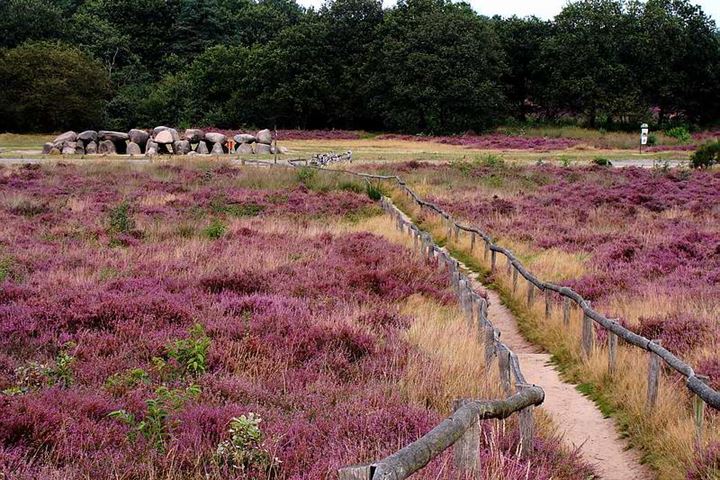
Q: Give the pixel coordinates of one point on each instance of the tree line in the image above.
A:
(421, 66)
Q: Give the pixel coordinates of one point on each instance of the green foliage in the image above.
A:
(602, 162)
(374, 191)
(6, 264)
(307, 176)
(249, 209)
(191, 353)
(120, 382)
(49, 86)
(682, 134)
(244, 450)
(61, 373)
(706, 155)
(652, 140)
(120, 219)
(215, 230)
(155, 424)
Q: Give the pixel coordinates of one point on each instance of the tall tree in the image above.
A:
(680, 63)
(587, 61)
(436, 68)
(49, 86)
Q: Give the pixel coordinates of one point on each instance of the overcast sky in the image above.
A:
(540, 8)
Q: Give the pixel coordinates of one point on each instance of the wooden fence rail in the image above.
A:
(408, 460)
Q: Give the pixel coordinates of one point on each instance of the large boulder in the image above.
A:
(65, 137)
(47, 147)
(215, 137)
(244, 148)
(262, 148)
(69, 148)
(138, 136)
(115, 137)
(79, 149)
(152, 149)
(151, 144)
(106, 147)
(182, 147)
(217, 149)
(134, 149)
(264, 136)
(244, 138)
(173, 132)
(54, 151)
(164, 138)
(202, 148)
(88, 136)
(91, 148)
(193, 135)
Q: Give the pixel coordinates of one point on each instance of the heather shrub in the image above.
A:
(245, 282)
(707, 464)
(679, 333)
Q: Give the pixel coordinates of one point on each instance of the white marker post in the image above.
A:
(644, 130)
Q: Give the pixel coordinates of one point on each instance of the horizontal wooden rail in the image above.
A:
(408, 460)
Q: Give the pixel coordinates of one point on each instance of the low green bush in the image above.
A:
(706, 155)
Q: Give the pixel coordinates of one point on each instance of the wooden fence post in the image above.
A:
(548, 303)
(490, 334)
(566, 311)
(457, 233)
(466, 451)
(493, 258)
(527, 427)
(653, 379)
(612, 353)
(504, 368)
(358, 472)
(587, 336)
(530, 294)
(699, 414)
(487, 249)
(472, 241)
(515, 279)
(509, 266)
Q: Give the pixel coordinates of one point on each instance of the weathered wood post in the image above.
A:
(487, 249)
(509, 265)
(587, 336)
(457, 232)
(566, 311)
(527, 427)
(530, 294)
(612, 353)
(504, 368)
(493, 259)
(699, 415)
(653, 379)
(490, 334)
(548, 303)
(514, 279)
(358, 472)
(466, 451)
(472, 241)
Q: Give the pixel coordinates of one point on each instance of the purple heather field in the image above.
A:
(142, 309)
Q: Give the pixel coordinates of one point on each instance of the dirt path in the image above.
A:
(576, 416)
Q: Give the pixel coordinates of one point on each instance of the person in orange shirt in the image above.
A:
(231, 145)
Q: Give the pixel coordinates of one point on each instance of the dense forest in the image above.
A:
(421, 66)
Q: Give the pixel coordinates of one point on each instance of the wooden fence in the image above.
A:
(462, 429)
(396, 466)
